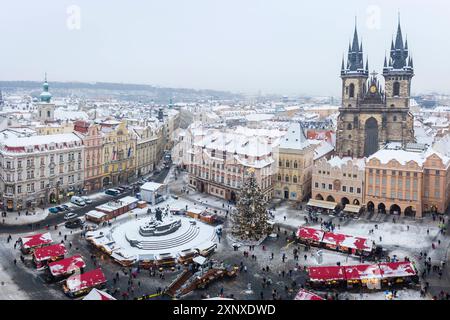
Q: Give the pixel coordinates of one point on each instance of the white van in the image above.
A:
(78, 201)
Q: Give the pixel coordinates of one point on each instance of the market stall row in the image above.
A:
(51, 258)
(334, 241)
(371, 276)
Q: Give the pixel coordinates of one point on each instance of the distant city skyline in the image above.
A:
(287, 48)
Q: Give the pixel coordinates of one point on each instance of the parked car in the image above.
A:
(87, 200)
(112, 192)
(175, 197)
(53, 210)
(60, 208)
(70, 216)
(78, 201)
(65, 207)
(73, 224)
(90, 227)
(121, 189)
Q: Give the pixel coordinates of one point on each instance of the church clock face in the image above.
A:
(373, 89)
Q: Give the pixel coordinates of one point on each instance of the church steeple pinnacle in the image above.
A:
(355, 61)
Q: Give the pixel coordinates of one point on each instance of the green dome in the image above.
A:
(45, 95)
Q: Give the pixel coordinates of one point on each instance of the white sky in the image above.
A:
(284, 46)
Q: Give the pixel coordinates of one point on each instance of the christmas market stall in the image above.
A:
(62, 269)
(363, 275)
(44, 255)
(115, 208)
(310, 236)
(96, 216)
(395, 273)
(370, 276)
(307, 295)
(347, 244)
(78, 285)
(29, 243)
(98, 295)
(329, 276)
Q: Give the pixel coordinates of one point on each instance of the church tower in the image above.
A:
(398, 72)
(46, 109)
(369, 116)
(354, 77)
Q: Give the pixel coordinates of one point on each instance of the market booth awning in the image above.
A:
(66, 266)
(363, 272)
(96, 294)
(86, 280)
(352, 208)
(310, 234)
(322, 204)
(48, 252)
(307, 295)
(397, 269)
(330, 273)
(36, 240)
(343, 240)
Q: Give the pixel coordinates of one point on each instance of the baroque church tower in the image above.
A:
(369, 116)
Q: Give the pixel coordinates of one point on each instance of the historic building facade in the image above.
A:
(219, 163)
(118, 152)
(38, 170)
(371, 116)
(339, 180)
(93, 146)
(295, 165)
(410, 183)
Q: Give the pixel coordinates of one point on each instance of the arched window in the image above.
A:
(280, 163)
(295, 165)
(295, 179)
(287, 163)
(351, 90)
(279, 177)
(396, 89)
(395, 118)
(349, 126)
(392, 105)
(286, 178)
(48, 113)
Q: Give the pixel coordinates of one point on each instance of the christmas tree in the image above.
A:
(250, 218)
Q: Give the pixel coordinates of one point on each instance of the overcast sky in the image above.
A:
(284, 46)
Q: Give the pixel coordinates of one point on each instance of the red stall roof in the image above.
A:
(48, 252)
(36, 240)
(397, 269)
(86, 280)
(362, 271)
(347, 241)
(67, 265)
(310, 234)
(96, 294)
(307, 295)
(326, 273)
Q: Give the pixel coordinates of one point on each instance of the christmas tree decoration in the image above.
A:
(250, 220)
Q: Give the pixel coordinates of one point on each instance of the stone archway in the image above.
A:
(106, 182)
(395, 209)
(344, 201)
(330, 199)
(286, 193)
(319, 197)
(410, 212)
(370, 206)
(370, 137)
(382, 208)
(356, 202)
(52, 198)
